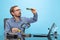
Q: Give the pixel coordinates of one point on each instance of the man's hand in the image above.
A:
(14, 30)
(33, 11)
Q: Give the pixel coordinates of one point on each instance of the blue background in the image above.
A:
(48, 12)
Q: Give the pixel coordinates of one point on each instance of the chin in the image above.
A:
(18, 16)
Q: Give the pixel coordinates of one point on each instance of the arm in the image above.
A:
(34, 18)
(7, 28)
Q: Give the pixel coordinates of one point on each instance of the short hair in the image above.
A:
(12, 9)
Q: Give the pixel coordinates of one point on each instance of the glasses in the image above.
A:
(17, 10)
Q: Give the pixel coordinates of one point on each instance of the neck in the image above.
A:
(17, 19)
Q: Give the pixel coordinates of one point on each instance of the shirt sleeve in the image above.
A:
(33, 19)
(7, 28)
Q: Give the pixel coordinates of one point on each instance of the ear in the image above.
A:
(12, 13)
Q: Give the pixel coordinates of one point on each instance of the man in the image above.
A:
(14, 24)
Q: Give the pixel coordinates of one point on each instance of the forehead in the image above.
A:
(16, 8)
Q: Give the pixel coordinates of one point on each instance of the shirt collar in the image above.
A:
(15, 20)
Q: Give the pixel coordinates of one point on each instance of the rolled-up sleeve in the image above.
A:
(33, 19)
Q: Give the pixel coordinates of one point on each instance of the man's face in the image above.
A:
(17, 12)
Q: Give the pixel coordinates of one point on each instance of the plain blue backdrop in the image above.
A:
(48, 12)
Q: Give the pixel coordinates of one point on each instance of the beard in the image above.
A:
(18, 15)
